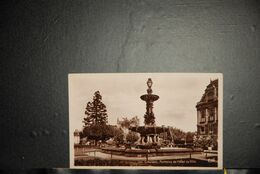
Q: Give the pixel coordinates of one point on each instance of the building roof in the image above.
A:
(212, 85)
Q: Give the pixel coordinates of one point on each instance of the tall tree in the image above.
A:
(96, 127)
(96, 112)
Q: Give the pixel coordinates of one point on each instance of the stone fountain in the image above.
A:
(149, 143)
(149, 133)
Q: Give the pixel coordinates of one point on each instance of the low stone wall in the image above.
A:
(150, 152)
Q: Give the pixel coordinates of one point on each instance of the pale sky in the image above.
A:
(178, 92)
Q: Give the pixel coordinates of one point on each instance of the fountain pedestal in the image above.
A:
(149, 136)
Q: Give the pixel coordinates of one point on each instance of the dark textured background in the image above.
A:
(43, 41)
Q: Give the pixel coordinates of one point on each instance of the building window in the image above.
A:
(203, 113)
(210, 129)
(211, 95)
(203, 116)
(212, 114)
(202, 130)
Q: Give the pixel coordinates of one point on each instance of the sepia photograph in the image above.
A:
(146, 120)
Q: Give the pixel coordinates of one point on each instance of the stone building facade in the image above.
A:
(207, 110)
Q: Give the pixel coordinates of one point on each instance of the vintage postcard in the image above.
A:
(146, 120)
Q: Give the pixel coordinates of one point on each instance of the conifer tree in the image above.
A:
(96, 112)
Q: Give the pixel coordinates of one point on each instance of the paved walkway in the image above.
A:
(154, 158)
